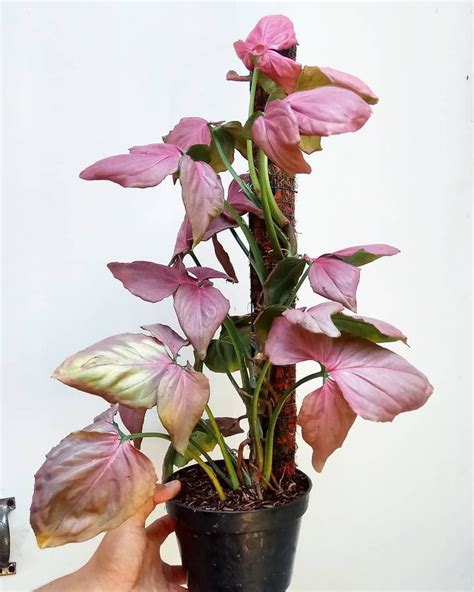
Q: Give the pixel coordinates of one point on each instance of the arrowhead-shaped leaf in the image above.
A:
(283, 279)
(124, 369)
(200, 311)
(89, 483)
(203, 194)
(377, 383)
(137, 371)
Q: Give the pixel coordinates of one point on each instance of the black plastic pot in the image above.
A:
(241, 551)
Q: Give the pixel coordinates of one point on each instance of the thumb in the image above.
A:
(166, 491)
(162, 493)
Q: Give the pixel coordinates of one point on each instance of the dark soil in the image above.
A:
(197, 492)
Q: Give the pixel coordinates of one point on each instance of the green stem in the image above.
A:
(252, 171)
(283, 239)
(210, 473)
(211, 433)
(265, 187)
(254, 423)
(265, 196)
(210, 461)
(295, 290)
(267, 467)
(194, 258)
(257, 261)
(240, 243)
(233, 381)
(245, 188)
(220, 441)
(239, 350)
(168, 464)
(126, 437)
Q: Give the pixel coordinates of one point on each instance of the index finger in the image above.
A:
(160, 529)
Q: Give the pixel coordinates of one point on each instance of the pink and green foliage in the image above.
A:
(96, 478)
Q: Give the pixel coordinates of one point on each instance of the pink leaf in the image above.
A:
(325, 419)
(316, 319)
(145, 166)
(278, 136)
(167, 336)
(239, 201)
(137, 371)
(149, 281)
(203, 195)
(364, 327)
(328, 110)
(350, 82)
(200, 311)
(123, 369)
(377, 383)
(336, 280)
(188, 132)
(206, 273)
(385, 328)
(133, 420)
(363, 254)
(233, 76)
(183, 395)
(224, 259)
(184, 239)
(284, 71)
(275, 31)
(89, 483)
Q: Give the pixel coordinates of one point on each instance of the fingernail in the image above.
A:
(172, 484)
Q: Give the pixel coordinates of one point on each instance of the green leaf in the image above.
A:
(239, 135)
(249, 123)
(265, 319)
(278, 93)
(311, 77)
(310, 144)
(359, 327)
(269, 85)
(227, 142)
(221, 356)
(203, 439)
(200, 152)
(362, 257)
(283, 279)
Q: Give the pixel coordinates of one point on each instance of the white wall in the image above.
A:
(392, 509)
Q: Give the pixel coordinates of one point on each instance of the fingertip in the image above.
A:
(166, 491)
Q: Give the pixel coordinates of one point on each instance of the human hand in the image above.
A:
(128, 558)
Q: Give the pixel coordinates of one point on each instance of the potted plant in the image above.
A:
(238, 517)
